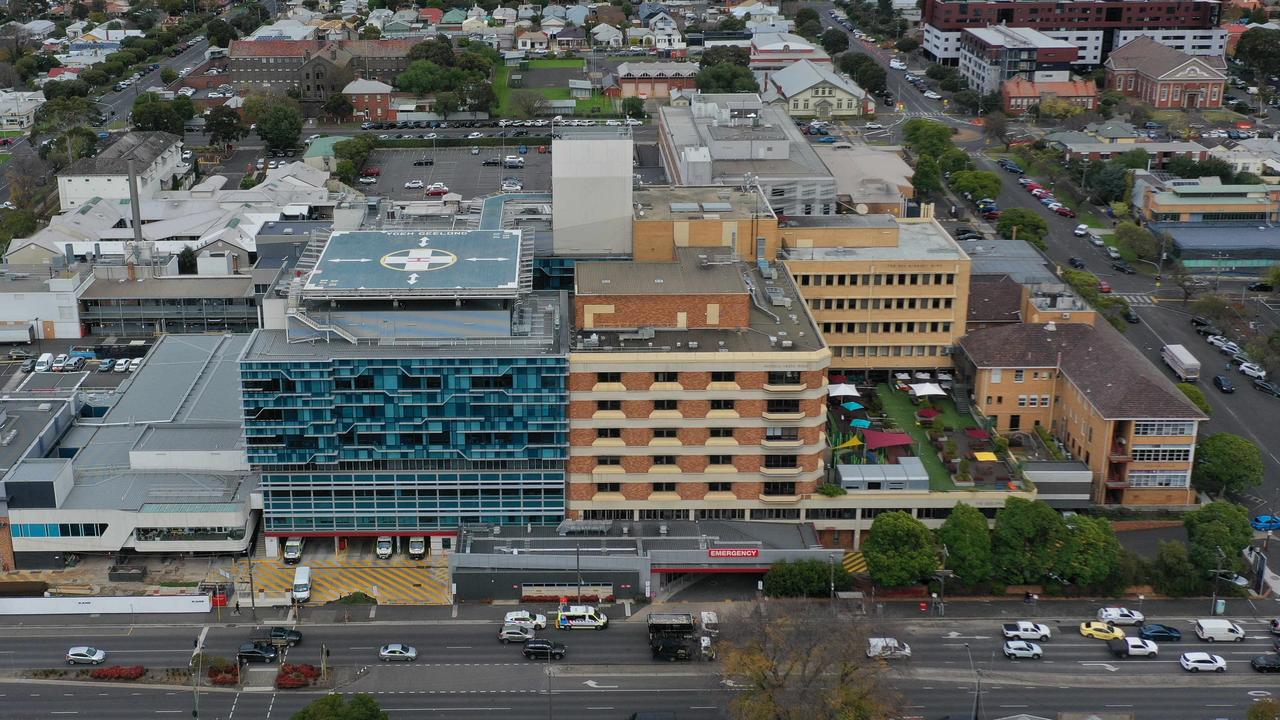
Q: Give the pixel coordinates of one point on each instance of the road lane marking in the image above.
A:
(457, 647)
(447, 709)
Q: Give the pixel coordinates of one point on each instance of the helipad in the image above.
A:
(368, 263)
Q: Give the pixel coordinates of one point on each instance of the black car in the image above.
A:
(492, 161)
(256, 652)
(1223, 383)
(1156, 631)
(1266, 663)
(1266, 387)
(1131, 316)
(538, 648)
(1207, 330)
(1076, 263)
(285, 635)
(424, 161)
(1123, 267)
(28, 365)
(1198, 321)
(1260, 287)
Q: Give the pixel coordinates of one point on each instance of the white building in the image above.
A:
(156, 157)
(18, 109)
(945, 45)
(591, 183)
(286, 29)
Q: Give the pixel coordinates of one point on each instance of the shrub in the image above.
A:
(118, 672)
(831, 490)
(296, 676)
(291, 681)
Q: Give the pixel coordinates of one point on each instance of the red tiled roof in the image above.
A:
(60, 71)
(273, 48)
(433, 15)
(1021, 87)
(396, 47)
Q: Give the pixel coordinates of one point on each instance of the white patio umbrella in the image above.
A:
(842, 390)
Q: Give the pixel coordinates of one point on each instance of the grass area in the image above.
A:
(549, 63)
(4, 160)
(898, 406)
(355, 598)
(1215, 115)
(596, 105)
(1092, 220)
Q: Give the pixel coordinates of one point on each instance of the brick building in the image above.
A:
(316, 68)
(656, 80)
(1166, 78)
(990, 56)
(371, 100)
(1020, 94)
(689, 399)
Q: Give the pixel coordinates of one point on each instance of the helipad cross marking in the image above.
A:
(418, 260)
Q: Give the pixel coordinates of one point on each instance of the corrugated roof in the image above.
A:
(142, 147)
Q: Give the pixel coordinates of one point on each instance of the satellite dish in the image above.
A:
(860, 208)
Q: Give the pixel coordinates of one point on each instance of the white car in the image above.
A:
(1080, 231)
(84, 655)
(1202, 662)
(134, 364)
(1022, 649)
(430, 136)
(613, 122)
(214, 95)
(1216, 340)
(1133, 647)
(873, 126)
(475, 135)
(397, 651)
(515, 633)
(414, 185)
(524, 618)
(273, 164)
(185, 71)
(1238, 580)
(7, 205)
(511, 186)
(932, 95)
(1120, 616)
(897, 64)
(367, 180)
(1253, 370)
(633, 122)
(312, 138)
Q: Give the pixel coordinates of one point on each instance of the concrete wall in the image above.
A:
(105, 605)
(475, 585)
(591, 194)
(58, 311)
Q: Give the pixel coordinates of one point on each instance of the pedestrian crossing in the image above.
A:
(854, 562)
(1138, 299)
(395, 583)
(923, 114)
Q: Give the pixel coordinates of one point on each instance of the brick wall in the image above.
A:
(631, 311)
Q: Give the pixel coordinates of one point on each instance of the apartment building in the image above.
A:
(1108, 405)
(315, 68)
(1094, 27)
(697, 391)
(990, 56)
(1164, 77)
(887, 294)
(156, 158)
(1204, 200)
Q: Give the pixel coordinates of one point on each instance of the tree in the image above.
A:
(187, 261)
(1226, 463)
(809, 30)
(1137, 240)
(872, 78)
(168, 75)
(528, 103)
(977, 183)
(1023, 224)
(954, 160)
(1259, 50)
(926, 137)
(1056, 108)
(370, 32)
(807, 14)
(183, 106)
(68, 147)
(1173, 572)
(633, 107)
(1180, 276)
(968, 545)
(850, 62)
(437, 50)
(346, 171)
(1265, 708)
(1196, 396)
(340, 707)
(447, 103)
(1093, 551)
(1028, 543)
(899, 550)
(927, 180)
(16, 224)
(805, 578)
(835, 41)
(421, 77)
(481, 97)
(995, 126)
(907, 45)
(1216, 534)
(967, 100)
(156, 115)
(727, 78)
(28, 177)
(220, 34)
(280, 127)
(224, 126)
(58, 116)
(338, 106)
(791, 662)
(720, 54)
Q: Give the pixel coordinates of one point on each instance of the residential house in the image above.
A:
(662, 21)
(640, 37)
(608, 15)
(656, 80)
(504, 15)
(403, 21)
(646, 10)
(553, 11)
(371, 100)
(1020, 94)
(771, 52)
(552, 25)
(807, 89)
(18, 109)
(571, 38)
(754, 9)
(474, 26)
(532, 41)
(63, 73)
(379, 17)
(580, 89)
(101, 38)
(1160, 153)
(38, 29)
(606, 36)
(452, 20)
(577, 15)
(433, 16)
(476, 12)
(527, 12)
(1164, 77)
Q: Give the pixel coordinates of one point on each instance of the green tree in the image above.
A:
(805, 578)
(872, 78)
(1025, 224)
(1093, 551)
(899, 550)
(280, 127)
(158, 115)
(720, 54)
(1137, 240)
(927, 137)
(927, 180)
(1173, 572)
(995, 126)
(907, 45)
(187, 261)
(183, 106)
(447, 103)
(168, 75)
(338, 106)
(220, 34)
(727, 78)
(346, 171)
(1259, 50)
(370, 32)
(807, 14)
(58, 116)
(341, 707)
(835, 41)
(1029, 542)
(968, 543)
(224, 126)
(954, 161)
(977, 183)
(421, 77)
(16, 224)
(633, 107)
(1220, 522)
(967, 100)
(1226, 463)
(1196, 396)
(437, 50)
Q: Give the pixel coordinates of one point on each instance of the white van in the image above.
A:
(1219, 630)
(572, 617)
(417, 548)
(45, 363)
(302, 584)
(292, 550)
(710, 623)
(383, 547)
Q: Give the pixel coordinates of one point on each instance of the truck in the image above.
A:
(1133, 647)
(277, 637)
(1026, 630)
(671, 635)
(1182, 362)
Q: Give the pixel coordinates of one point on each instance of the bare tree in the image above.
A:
(28, 177)
(8, 76)
(793, 661)
(1180, 277)
(528, 103)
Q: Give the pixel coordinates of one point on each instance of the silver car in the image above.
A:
(396, 651)
(85, 655)
(515, 633)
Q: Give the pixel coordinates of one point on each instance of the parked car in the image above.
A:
(1113, 253)
(437, 190)
(1266, 387)
(1065, 212)
(1076, 263)
(1080, 231)
(1260, 287)
(414, 185)
(134, 364)
(1253, 370)
(1227, 576)
(524, 618)
(397, 651)
(491, 161)
(423, 162)
(28, 365)
(540, 649)
(1123, 267)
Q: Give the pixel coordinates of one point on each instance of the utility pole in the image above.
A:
(977, 685)
(1217, 576)
(831, 563)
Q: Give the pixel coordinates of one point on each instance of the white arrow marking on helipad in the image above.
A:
(413, 278)
(488, 259)
(423, 242)
(337, 260)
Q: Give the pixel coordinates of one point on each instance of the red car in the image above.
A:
(1104, 286)
(991, 215)
(371, 172)
(437, 190)
(1066, 212)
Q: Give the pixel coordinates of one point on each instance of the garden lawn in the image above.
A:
(548, 63)
(899, 407)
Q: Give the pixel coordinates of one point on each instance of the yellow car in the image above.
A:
(1100, 630)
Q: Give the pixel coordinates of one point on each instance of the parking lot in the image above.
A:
(463, 173)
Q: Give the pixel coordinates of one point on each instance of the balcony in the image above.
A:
(785, 387)
(782, 443)
(779, 499)
(783, 416)
(1117, 482)
(1120, 454)
(781, 471)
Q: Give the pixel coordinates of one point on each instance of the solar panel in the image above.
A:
(685, 207)
(717, 207)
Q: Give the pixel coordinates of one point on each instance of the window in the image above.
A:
(607, 433)
(995, 375)
(664, 487)
(782, 406)
(779, 488)
(606, 515)
(1019, 375)
(781, 462)
(721, 432)
(775, 514)
(1159, 478)
(664, 514)
(1044, 401)
(1164, 427)
(1022, 401)
(666, 433)
(1161, 453)
(781, 434)
(606, 405)
(724, 376)
(666, 377)
(608, 377)
(720, 460)
(608, 487)
(664, 405)
(720, 487)
(721, 514)
(829, 514)
(721, 404)
(788, 377)
(610, 460)
(664, 459)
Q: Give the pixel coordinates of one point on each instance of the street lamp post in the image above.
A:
(831, 564)
(977, 684)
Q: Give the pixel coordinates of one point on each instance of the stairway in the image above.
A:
(960, 393)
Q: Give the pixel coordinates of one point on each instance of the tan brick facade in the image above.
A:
(672, 311)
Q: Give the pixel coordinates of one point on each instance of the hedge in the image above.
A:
(530, 141)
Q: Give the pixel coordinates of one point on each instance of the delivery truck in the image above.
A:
(1182, 362)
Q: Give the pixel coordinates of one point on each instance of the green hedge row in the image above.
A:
(531, 141)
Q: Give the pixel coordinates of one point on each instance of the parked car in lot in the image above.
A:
(1266, 387)
(28, 365)
(1266, 523)
(1113, 253)
(437, 190)
(1253, 370)
(1230, 349)
(1202, 662)
(134, 364)
(421, 162)
(1080, 231)
(414, 185)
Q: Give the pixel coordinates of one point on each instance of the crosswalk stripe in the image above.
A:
(1140, 299)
